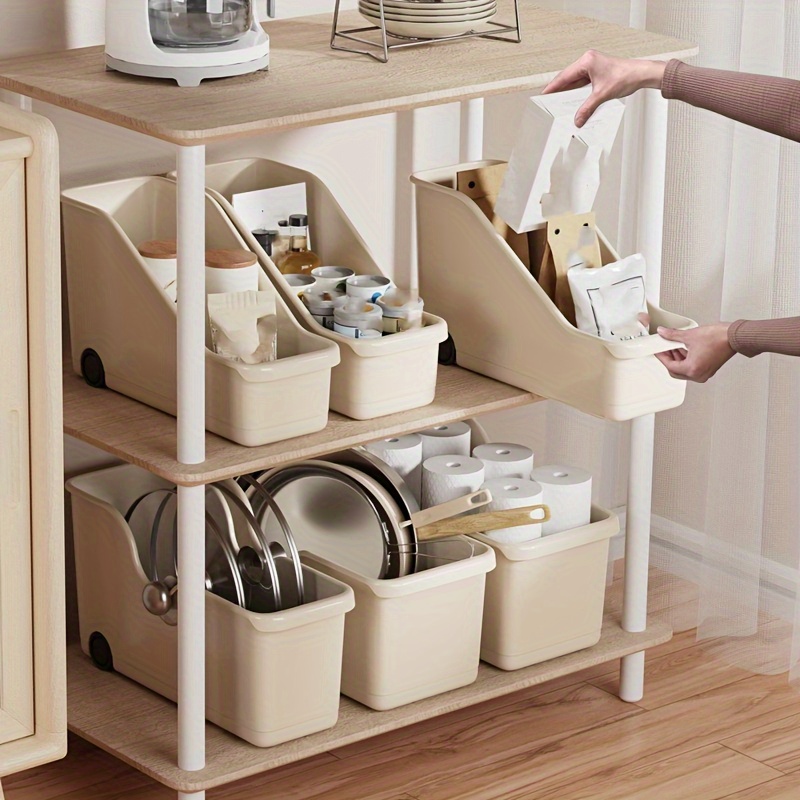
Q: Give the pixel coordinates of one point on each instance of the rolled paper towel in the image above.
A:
(446, 440)
(510, 493)
(404, 455)
(504, 460)
(568, 492)
(449, 477)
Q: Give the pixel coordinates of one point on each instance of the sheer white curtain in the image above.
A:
(726, 520)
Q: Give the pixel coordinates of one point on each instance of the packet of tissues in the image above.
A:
(244, 326)
(609, 299)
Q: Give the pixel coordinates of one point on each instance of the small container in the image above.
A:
(282, 242)
(401, 311)
(299, 260)
(321, 305)
(352, 317)
(301, 283)
(368, 287)
(231, 271)
(331, 278)
(161, 259)
(266, 239)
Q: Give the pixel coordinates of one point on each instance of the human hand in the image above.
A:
(706, 350)
(610, 78)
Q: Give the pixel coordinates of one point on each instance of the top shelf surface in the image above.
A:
(308, 83)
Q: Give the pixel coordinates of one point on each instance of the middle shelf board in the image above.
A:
(141, 435)
(140, 727)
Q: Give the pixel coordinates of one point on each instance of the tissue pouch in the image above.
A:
(244, 326)
(609, 300)
(571, 241)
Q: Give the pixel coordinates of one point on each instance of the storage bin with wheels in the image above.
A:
(505, 326)
(419, 635)
(545, 597)
(123, 324)
(270, 677)
(376, 376)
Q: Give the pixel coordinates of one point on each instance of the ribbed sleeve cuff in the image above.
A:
(751, 337)
(737, 339)
(671, 79)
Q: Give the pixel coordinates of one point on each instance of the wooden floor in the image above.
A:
(705, 731)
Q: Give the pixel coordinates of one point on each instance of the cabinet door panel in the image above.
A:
(16, 637)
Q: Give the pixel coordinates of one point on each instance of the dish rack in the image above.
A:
(498, 31)
(372, 378)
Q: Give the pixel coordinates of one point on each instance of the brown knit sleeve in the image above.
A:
(765, 102)
(751, 337)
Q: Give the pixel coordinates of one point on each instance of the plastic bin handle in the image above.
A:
(643, 346)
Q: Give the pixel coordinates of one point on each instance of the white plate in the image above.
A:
(425, 16)
(430, 30)
(404, 7)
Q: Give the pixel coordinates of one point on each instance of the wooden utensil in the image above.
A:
(482, 523)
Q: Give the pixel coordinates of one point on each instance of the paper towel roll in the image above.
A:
(510, 493)
(568, 492)
(503, 460)
(449, 477)
(404, 455)
(446, 440)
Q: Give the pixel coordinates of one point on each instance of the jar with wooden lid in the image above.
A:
(160, 258)
(231, 271)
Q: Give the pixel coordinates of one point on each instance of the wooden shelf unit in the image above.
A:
(141, 435)
(140, 727)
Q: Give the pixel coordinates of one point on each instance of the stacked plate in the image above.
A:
(429, 20)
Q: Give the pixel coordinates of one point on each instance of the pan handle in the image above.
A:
(482, 523)
(460, 505)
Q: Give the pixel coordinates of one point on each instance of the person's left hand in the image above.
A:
(706, 350)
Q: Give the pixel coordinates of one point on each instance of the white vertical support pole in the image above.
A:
(472, 130)
(405, 223)
(650, 224)
(191, 450)
(25, 104)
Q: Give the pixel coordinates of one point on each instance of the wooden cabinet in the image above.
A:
(32, 640)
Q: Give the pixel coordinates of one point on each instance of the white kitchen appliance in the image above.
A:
(185, 40)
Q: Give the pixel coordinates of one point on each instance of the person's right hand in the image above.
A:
(610, 78)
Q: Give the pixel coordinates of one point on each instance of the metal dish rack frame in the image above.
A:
(498, 31)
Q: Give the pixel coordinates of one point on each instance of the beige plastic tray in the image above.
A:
(119, 311)
(545, 597)
(270, 678)
(505, 326)
(416, 636)
(375, 377)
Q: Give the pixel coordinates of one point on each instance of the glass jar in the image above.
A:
(199, 23)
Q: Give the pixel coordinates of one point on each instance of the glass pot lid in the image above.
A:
(199, 23)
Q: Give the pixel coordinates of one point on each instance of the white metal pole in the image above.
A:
(472, 129)
(191, 450)
(25, 104)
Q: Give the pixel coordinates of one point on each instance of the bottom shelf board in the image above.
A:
(140, 727)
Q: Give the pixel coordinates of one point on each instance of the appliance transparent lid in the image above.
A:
(199, 23)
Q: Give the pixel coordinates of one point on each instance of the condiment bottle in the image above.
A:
(402, 310)
(299, 259)
(265, 238)
(353, 317)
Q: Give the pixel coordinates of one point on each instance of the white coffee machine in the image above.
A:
(185, 40)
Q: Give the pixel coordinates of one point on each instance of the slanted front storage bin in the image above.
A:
(505, 326)
(270, 678)
(121, 316)
(545, 597)
(417, 636)
(376, 376)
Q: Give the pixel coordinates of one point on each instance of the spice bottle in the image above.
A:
(299, 260)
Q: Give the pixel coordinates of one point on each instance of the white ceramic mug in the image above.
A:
(328, 278)
(300, 283)
(368, 287)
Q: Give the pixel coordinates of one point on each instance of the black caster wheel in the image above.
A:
(100, 651)
(447, 352)
(92, 369)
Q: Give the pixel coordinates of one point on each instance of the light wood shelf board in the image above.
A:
(310, 84)
(146, 437)
(140, 727)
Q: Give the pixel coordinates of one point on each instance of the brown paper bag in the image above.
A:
(571, 239)
(483, 186)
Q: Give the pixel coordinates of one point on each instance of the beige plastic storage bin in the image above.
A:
(120, 312)
(416, 636)
(545, 597)
(505, 326)
(375, 377)
(270, 678)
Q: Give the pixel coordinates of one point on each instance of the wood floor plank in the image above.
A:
(776, 744)
(537, 772)
(708, 773)
(677, 676)
(784, 788)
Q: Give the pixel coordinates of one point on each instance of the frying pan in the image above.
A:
(345, 515)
